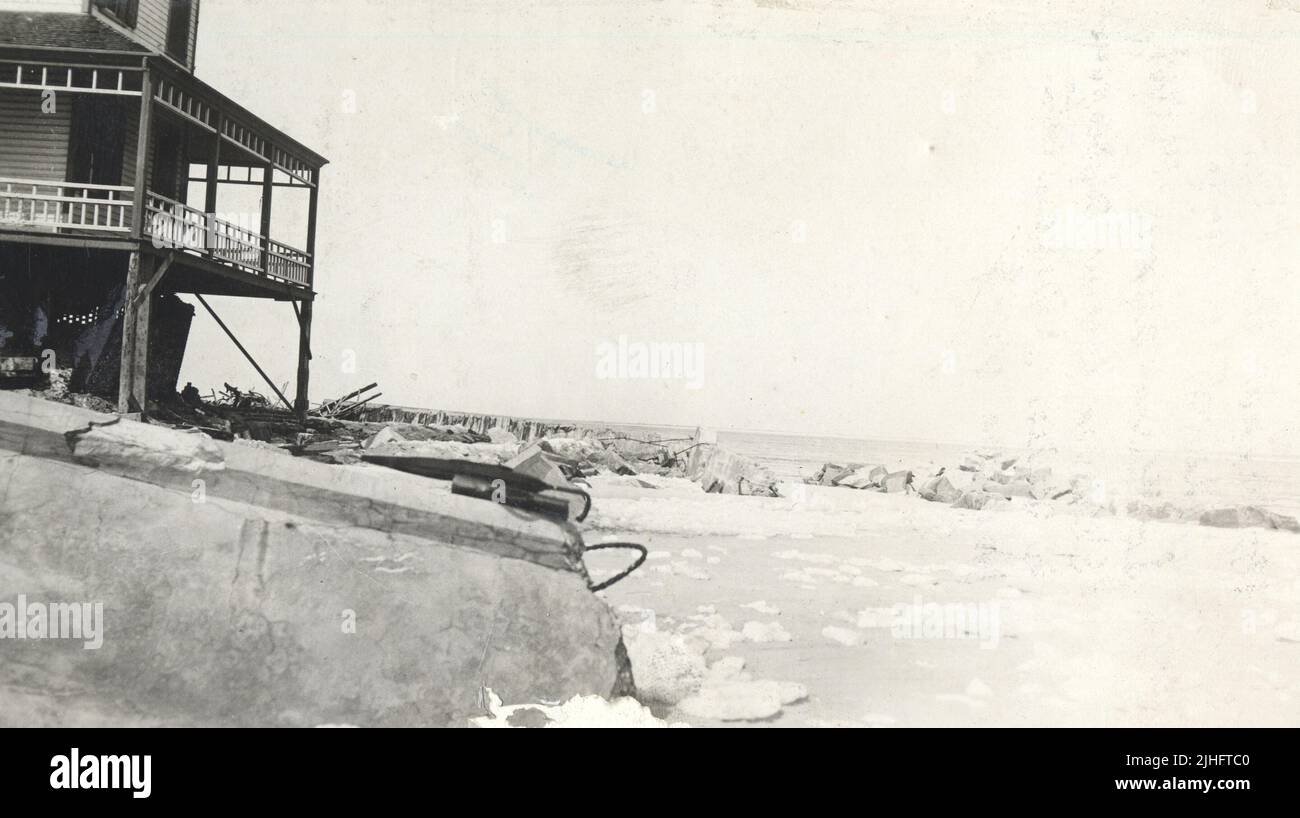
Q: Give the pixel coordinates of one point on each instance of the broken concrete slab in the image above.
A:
(830, 473)
(947, 487)
(106, 440)
(537, 462)
(278, 591)
(541, 462)
(863, 477)
(611, 460)
(836, 476)
(722, 472)
(977, 500)
(386, 435)
(1164, 512)
(896, 482)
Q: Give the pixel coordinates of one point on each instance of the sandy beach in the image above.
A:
(1103, 621)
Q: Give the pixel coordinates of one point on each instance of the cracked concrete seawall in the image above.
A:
(246, 587)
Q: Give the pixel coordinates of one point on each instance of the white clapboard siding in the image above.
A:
(33, 145)
(151, 26)
(151, 23)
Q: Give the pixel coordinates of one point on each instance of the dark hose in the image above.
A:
(630, 546)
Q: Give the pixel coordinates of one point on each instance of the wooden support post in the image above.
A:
(210, 190)
(125, 382)
(144, 134)
(268, 175)
(304, 314)
(304, 360)
(140, 349)
(313, 197)
(143, 274)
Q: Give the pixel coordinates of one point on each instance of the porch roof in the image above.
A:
(63, 42)
(238, 115)
(52, 29)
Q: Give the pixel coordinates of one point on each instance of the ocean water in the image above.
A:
(1183, 478)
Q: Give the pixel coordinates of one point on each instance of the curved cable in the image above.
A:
(630, 546)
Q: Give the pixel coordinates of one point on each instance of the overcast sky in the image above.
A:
(872, 222)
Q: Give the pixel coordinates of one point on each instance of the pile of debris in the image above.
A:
(58, 392)
(350, 404)
(989, 480)
(572, 455)
(340, 431)
(981, 480)
(861, 476)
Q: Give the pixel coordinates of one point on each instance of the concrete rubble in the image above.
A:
(241, 586)
(259, 497)
(989, 480)
(341, 431)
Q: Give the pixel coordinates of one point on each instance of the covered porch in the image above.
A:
(170, 180)
(160, 166)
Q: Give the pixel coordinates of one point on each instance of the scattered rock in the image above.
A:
(977, 500)
(1165, 511)
(947, 487)
(528, 717)
(861, 478)
(826, 475)
(60, 378)
(1249, 517)
(385, 435)
(721, 472)
(896, 482)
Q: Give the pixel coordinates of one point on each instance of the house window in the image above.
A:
(178, 29)
(122, 11)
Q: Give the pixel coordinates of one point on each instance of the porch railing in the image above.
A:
(54, 206)
(289, 263)
(179, 226)
(70, 207)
